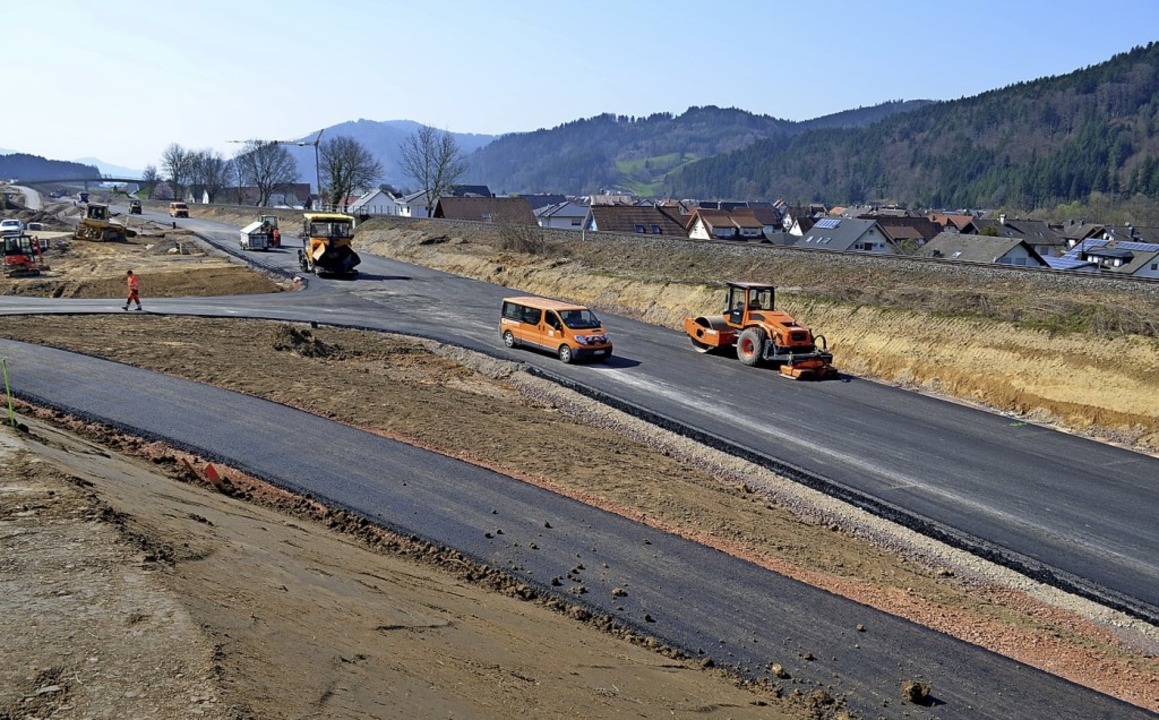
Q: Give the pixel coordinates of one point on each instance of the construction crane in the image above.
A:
(302, 143)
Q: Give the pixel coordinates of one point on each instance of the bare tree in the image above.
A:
(210, 170)
(149, 179)
(176, 161)
(346, 166)
(266, 165)
(432, 159)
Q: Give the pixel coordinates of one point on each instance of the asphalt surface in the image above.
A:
(1069, 512)
(706, 602)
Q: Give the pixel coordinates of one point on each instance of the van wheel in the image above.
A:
(509, 339)
(565, 353)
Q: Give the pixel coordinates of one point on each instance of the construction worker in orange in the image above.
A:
(134, 291)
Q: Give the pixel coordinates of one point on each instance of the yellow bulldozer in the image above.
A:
(97, 224)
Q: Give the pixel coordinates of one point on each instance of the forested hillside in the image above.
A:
(1031, 145)
(30, 168)
(609, 152)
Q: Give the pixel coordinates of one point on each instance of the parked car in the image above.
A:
(134, 207)
(11, 227)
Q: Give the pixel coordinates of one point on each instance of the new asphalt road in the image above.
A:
(708, 603)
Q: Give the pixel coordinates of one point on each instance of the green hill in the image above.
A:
(1031, 145)
(610, 152)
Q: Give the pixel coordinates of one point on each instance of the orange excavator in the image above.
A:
(22, 257)
(761, 333)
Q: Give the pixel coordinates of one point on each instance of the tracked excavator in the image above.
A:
(97, 224)
(22, 257)
(326, 250)
(761, 333)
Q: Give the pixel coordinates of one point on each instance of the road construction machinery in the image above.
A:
(326, 239)
(761, 333)
(97, 224)
(22, 256)
(270, 223)
(255, 236)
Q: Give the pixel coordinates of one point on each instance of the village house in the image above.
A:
(1038, 234)
(737, 224)
(831, 233)
(485, 209)
(639, 219)
(566, 215)
(416, 204)
(961, 222)
(906, 231)
(375, 202)
(1118, 257)
(983, 249)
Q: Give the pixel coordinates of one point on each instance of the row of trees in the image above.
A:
(430, 157)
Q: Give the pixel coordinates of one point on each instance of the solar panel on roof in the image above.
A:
(828, 223)
(1064, 263)
(1140, 246)
(1089, 244)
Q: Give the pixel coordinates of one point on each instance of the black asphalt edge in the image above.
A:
(539, 587)
(1022, 564)
(212, 456)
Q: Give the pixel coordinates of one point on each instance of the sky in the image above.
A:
(120, 82)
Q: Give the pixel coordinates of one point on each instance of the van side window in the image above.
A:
(531, 316)
(511, 311)
(552, 320)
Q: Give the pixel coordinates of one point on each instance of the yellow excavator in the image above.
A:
(97, 224)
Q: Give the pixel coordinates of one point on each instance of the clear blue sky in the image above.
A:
(119, 81)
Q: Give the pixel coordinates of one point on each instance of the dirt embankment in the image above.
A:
(938, 331)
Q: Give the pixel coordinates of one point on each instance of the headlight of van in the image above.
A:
(581, 339)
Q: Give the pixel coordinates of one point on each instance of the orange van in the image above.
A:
(570, 331)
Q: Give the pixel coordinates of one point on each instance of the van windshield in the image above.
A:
(579, 319)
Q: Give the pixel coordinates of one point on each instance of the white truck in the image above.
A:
(255, 236)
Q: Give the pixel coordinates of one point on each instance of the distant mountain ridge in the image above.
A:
(380, 138)
(622, 153)
(109, 169)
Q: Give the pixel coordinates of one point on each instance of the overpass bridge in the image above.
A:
(85, 181)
